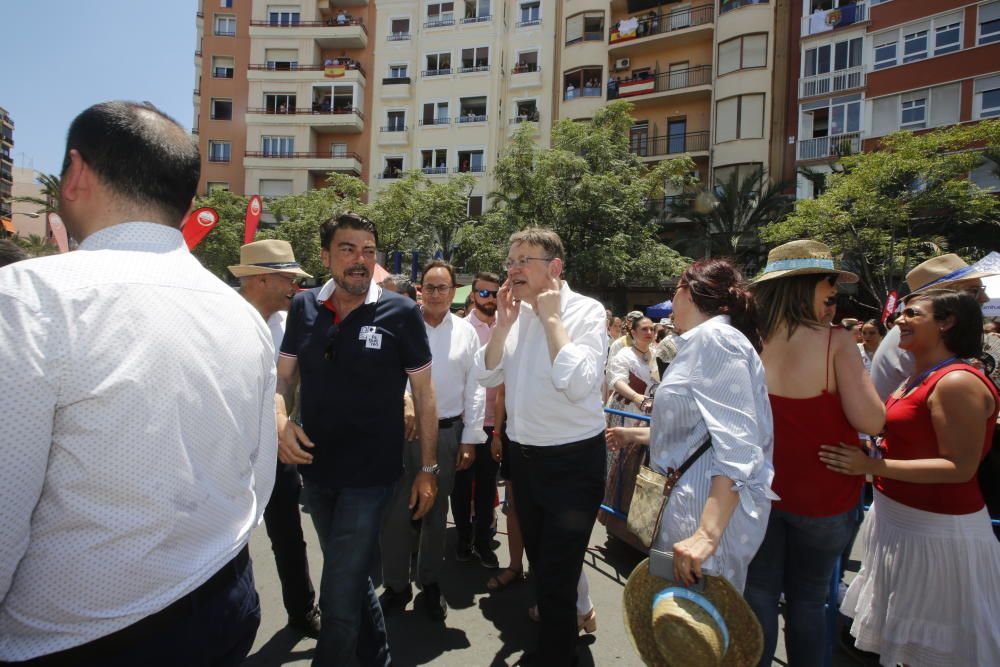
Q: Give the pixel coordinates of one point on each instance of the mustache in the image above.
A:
(356, 267)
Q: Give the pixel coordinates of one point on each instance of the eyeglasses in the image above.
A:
(977, 291)
(910, 312)
(487, 293)
(436, 289)
(522, 262)
(830, 301)
(332, 334)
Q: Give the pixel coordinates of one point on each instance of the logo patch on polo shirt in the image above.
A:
(374, 341)
(365, 332)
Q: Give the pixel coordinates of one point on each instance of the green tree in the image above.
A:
(890, 209)
(593, 192)
(220, 249)
(35, 245)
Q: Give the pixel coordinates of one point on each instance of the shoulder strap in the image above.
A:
(705, 446)
(829, 340)
(671, 480)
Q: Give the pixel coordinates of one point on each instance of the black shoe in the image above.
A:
(308, 623)
(434, 602)
(487, 558)
(395, 601)
(463, 553)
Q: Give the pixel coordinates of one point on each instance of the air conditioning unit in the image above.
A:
(622, 64)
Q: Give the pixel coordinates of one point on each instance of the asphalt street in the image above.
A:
(482, 629)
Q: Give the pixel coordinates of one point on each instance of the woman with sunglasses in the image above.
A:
(928, 592)
(819, 394)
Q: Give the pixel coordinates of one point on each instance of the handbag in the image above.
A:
(651, 493)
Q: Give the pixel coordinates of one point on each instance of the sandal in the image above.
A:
(499, 582)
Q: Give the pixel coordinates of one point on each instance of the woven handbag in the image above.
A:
(652, 491)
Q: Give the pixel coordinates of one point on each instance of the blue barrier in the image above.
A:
(631, 415)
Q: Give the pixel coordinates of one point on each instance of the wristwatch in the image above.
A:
(431, 470)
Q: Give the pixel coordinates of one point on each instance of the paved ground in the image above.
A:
(482, 629)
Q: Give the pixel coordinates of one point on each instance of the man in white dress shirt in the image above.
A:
(139, 427)
(461, 404)
(548, 347)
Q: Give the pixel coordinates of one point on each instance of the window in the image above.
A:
(223, 67)
(399, 29)
(527, 61)
(471, 161)
(472, 109)
(989, 23)
(937, 36)
(986, 175)
(475, 206)
(525, 110)
(947, 34)
(435, 113)
(279, 103)
(440, 14)
(338, 150)
(743, 53)
(476, 10)
(741, 171)
(885, 49)
(393, 167)
(475, 59)
(588, 26)
(529, 13)
(212, 186)
(281, 59)
(283, 15)
(914, 45)
(225, 25)
(585, 82)
(740, 117)
(438, 63)
(277, 146)
(226, 4)
(274, 187)
(395, 121)
(987, 97)
(434, 161)
(222, 109)
(219, 151)
(847, 54)
(399, 71)
(913, 111)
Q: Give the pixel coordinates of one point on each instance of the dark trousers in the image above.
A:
(213, 626)
(476, 486)
(559, 491)
(284, 529)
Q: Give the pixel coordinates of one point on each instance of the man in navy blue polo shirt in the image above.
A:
(354, 345)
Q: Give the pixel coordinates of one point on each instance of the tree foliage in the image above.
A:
(35, 245)
(891, 208)
(48, 202)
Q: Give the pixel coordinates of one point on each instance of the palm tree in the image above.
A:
(48, 202)
(731, 216)
(36, 246)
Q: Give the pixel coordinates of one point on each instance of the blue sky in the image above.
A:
(61, 56)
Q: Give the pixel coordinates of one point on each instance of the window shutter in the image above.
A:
(755, 51)
(945, 102)
(574, 28)
(725, 119)
(988, 83)
(885, 115)
(990, 12)
(752, 117)
(729, 56)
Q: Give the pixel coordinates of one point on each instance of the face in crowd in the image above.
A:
(351, 259)
(531, 272)
(487, 305)
(438, 290)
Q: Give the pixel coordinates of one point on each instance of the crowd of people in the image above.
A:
(156, 416)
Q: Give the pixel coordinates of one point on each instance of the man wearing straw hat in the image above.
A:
(267, 273)
(891, 364)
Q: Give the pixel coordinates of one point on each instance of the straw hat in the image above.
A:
(941, 271)
(672, 626)
(797, 258)
(268, 256)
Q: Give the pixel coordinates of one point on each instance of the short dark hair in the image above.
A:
(438, 264)
(788, 301)
(965, 338)
(878, 325)
(547, 239)
(140, 153)
(328, 229)
(10, 252)
(486, 277)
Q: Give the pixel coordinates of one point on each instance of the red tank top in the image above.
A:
(909, 434)
(802, 481)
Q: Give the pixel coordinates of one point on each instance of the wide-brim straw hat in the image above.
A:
(798, 258)
(670, 630)
(941, 271)
(267, 256)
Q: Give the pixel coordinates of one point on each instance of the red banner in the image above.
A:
(890, 305)
(59, 231)
(253, 217)
(198, 225)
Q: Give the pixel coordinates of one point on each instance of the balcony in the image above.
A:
(825, 20)
(576, 93)
(469, 20)
(689, 82)
(395, 88)
(394, 135)
(730, 5)
(473, 69)
(348, 120)
(526, 76)
(832, 82)
(398, 37)
(695, 144)
(329, 34)
(528, 23)
(442, 22)
(350, 73)
(665, 209)
(434, 122)
(318, 162)
(471, 118)
(826, 148)
(434, 171)
(633, 33)
(474, 169)
(435, 72)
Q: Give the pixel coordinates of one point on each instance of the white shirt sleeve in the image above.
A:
(491, 378)
(263, 460)
(618, 368)
(29, 393)
(474, 412)
(579, 366)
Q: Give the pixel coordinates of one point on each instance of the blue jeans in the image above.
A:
(347, 522)
(797, 557)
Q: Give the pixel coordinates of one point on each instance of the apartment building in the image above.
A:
(455, 80)
(283, 97)
(26, 218)
(6, 171)
(868, 68)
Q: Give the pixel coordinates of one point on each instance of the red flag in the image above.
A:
(890, 305)
(198, 225)
(59, 231)
(253, 217)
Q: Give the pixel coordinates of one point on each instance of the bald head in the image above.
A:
(142, 156)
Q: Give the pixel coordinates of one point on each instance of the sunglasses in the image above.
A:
(910, 312)
(486, 293)
(830, 301)
(332, 334)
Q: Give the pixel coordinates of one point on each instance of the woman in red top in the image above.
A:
(819, 394)
(928, 592)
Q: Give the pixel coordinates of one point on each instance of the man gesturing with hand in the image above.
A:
(354, 346)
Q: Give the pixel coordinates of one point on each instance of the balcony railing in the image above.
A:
(531, 118)
(474, 68)
(398, 37)
(477, 19)
(444, 120)
(439, 23)
(309, 112)
(822, 148)
(328, 23)
(471, 118)
(730, 5)
(436, 72)
(265, 67)
(391, 80)
(677, 144)
(474, 169)
(284, 155)
(666, 208)
(528, 22)
(637, 28)
(523, 69)
(824, 20)
(832, 82)
(432, 171)
(393, 128)
(586, 91)
(699, 75)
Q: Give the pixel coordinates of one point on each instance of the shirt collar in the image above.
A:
(325, 292)
(445, 322)
(147, 236)
(714, 321)
(564, 295)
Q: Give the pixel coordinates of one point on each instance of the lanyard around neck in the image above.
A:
(917, 381)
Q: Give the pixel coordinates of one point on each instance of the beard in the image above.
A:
(487, 309)
(352, 283)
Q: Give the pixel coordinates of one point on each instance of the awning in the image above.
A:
(8, 225)
(461, 294)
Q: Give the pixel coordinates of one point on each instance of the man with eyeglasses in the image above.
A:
(548, 347)
(891, 365)
(460, 409)
(475, 487)
(355, 346)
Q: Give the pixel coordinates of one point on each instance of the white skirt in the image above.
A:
(928, 592)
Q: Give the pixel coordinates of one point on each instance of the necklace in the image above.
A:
(915, 382)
